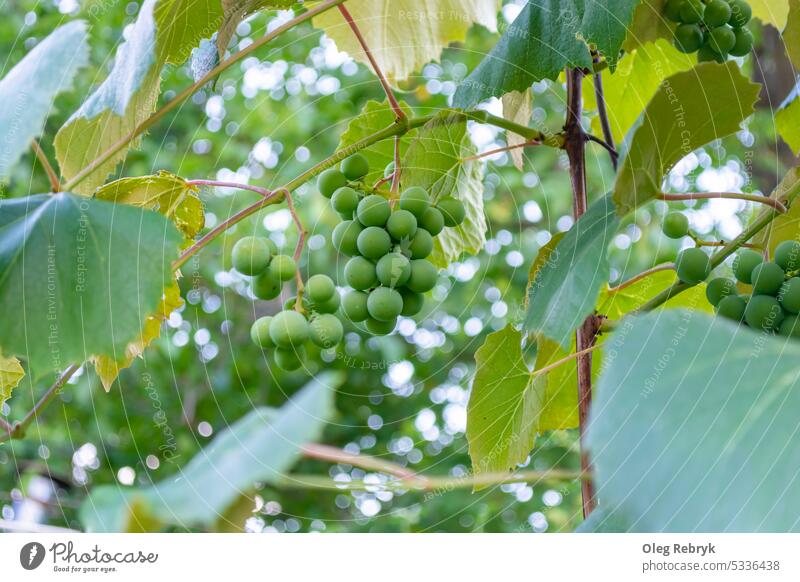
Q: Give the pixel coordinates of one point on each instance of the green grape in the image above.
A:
(787, 255)
(374, 242)
(345, 237)
(266, 287)
(355, 167)
(718, 13)
(288, 328)
(432, 221)
(412, 302)
(741, 13)
(354, 306)
(360, 273)
(259, 332)
(326, 330)
(721, 40)
(706, 55)
(672, 10)
(744, 263)
(289, 304)
(732, 307)
(381, 327)
(767, 279)
(320, 288)
(423, 276)
(675, 225)
(718, 289)
(790, 327)
(393, 270)
(329, 306)
(692, 11)
(251, 255)
(282, 268)
(384, 304)
(421, 245)
(373, 210)
(744, 42)
(692, 266)
(763, 312)
(401, 225)
(688, 38)
(415, 200)
(289, 359)
(789, 295)
(452, 211)
(345, 201)
(388, 170)
(329, 181)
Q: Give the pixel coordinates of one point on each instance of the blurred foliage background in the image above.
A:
(405, 397)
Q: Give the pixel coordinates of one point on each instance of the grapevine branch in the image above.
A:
(640, 276)
(602, 114)
(55, 184)
(727, 195)
(486, 154)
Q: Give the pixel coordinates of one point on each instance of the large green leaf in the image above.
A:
(565, 289)
(235, 11)
(784, 226)
(787, 120)
(439, 160)
(259, 447)
(619, 301)
(694, 427)
(547, 36)
(28, 90)
(775, 12)
(403, 35)
(791, 35)
(164, 32)
(690, 109)
(648, 25)
(78, 277)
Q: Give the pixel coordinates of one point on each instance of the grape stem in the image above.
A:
(727, 195)
(301, 241)
(562, 361)
(640, 276)
(508, 148)
(610, 148)
(55, 183)
(602, 113)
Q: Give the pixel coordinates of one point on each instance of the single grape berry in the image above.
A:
(789, 295)
(374, 242)
(289, 304)
(354, 306)
(320, 288)
(421, 245)
(266, 287)
(732, 307)
(393, 270)
(329, 306)
(763, 312)
(790, 327)
(288, 328)
(412, 302)
(741, 13)
(326, 330)
(384, 304)
(722, 39)
(355, 167)
(259, 332)
(388, 170)
(718, 13)
(692, 266)
(423, 276)
(432, 221)
(675, 225)
(329, 181)
(381, 327)
(373, 210)
(452, 211)
(744, 42)
(744, 263)
(345, 201)
(787, 255)
(688, 38)
(672, 10)
(692, 11)
(282, 268)
(290, 359)
(719, 288)
(251, 255)
(360, 273)
(416, 200)
(767, 279)
(401, 225)
(345, 237)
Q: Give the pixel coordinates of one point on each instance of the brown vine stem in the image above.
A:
(334, 455)
(602, 114)
(575, 146)
(727, 195)
(640, 276)
(55, 183)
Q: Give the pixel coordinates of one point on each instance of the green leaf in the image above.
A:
(517, 107)
(694, 427)
(546, 37)
(636, 80)
(404, 35)
(565, 289)
(649, 24)
(235, 11)
(438, 160)
(79, 275)
(690, 109)
(259, 447)
(164, 33)
(787, 120)
(791, 35)
(28, 90)
(774, 12)
(784, 226)
(617, 302)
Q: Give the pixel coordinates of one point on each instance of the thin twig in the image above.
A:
(640, 276)
(258, 189)
(610, 148)
(507, 148)
(726, 195)
(298, 250)
(397, 166)
(333, 455)
(562, 361)
(722, 243)
(55, 183)
(602, 113)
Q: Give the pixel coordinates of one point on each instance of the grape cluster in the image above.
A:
(715, 29)
(388, 244)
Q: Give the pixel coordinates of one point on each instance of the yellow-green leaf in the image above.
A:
(11, 373)
(791, 35)
(775, 12)
(517, 107)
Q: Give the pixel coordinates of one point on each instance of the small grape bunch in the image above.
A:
(258, 258)
(388, 245)
(715, 29)
(692, 264)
